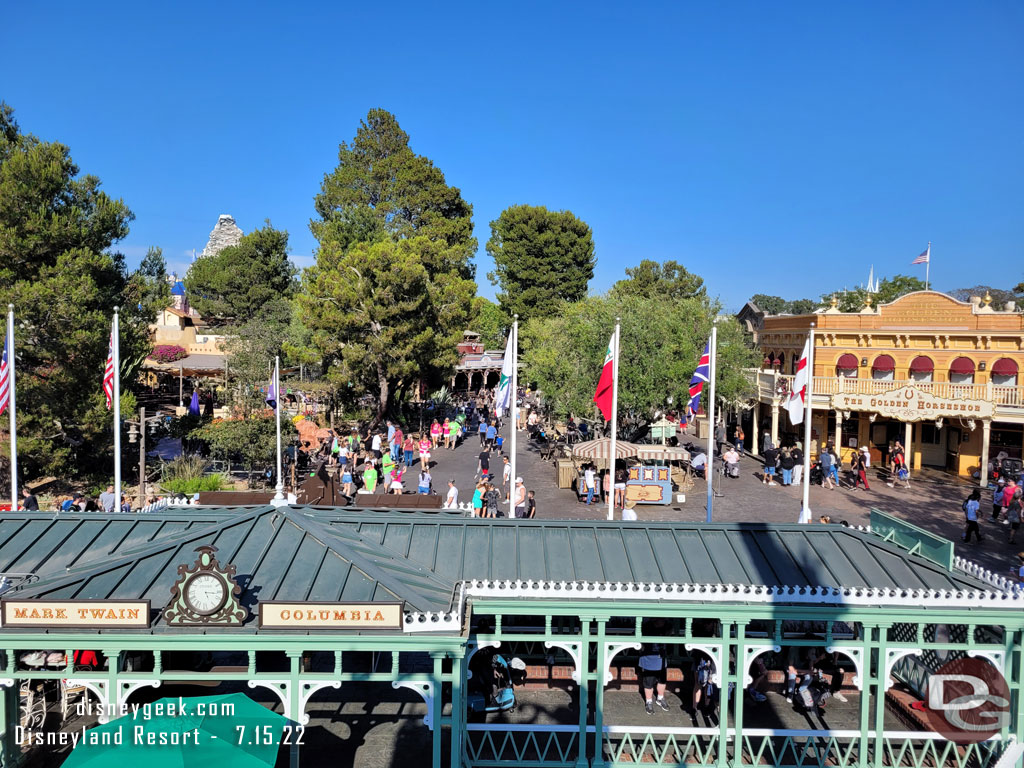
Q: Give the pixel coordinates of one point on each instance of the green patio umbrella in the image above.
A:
(227, 731)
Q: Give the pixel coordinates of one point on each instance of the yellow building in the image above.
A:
(937, 374)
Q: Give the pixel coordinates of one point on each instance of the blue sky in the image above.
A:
(770, 147)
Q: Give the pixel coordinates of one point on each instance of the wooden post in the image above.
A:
(142, 457)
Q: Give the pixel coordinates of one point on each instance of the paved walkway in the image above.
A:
(932, 502)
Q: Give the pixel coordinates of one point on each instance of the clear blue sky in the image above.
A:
(777, 147)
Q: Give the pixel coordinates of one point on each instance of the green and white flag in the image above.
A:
(503, 396)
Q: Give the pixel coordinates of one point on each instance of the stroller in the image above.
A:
(817, 475)
(1011, 470)
(496, 694)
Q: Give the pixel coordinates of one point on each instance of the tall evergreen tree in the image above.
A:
(541, 259)
(56, 267)
(392, 288)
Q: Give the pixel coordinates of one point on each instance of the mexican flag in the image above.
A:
(503, 395)
(603, 395)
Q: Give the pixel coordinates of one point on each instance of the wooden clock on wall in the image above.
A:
(205, 594)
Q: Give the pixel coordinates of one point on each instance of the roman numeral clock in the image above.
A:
(205, 593)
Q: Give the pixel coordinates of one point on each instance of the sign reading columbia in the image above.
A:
(77, 614)
(912, 404)
(275, 615)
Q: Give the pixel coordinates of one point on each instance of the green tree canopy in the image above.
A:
(669, 280)
(660, 348)
(392, 290)
(56, 229)
(889, 289)
(999, 295)
(241, 281)
(491, 323)
(776, 305)
(541, 259)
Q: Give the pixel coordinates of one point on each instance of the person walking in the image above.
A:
(1013, 518)
(740, 436)
(397, 487)
(531, 505)
(520, 499)
(408, 446)
(621, 478)
(590, 483)
(492, 433)
(719, 437)
(424, 482)
(798, 462)
(652, 666)
(970, 507)
(482, 430)
(396, 444)
(424, 451)
(826, 468)
(451, 500)
(860, 470)
(506, 477)
(786, 464)
(446, 433)
(30, 503)
(483, 467)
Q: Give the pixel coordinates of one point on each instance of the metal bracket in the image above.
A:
(474, 647)
(856, 655)
(892, 655)
(611, 651)
(99, 689)
(306, 691)
(128, 687)
(573, 649)
(714, 651)
(751, 652)
(996, 658)
(424, 688)
(282, 688)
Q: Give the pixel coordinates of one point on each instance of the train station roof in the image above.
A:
(428, 559)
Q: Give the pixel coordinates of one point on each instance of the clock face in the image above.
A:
(205, 594)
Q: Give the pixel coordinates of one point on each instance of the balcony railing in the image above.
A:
(770, 383)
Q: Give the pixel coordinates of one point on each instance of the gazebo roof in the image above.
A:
(431, 562)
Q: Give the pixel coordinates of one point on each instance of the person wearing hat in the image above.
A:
(860, 464)
(520, 498)
(997, 499)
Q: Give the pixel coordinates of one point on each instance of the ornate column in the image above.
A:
(726, 676)
(907, 444)
(755, 446)
(986, 429)
(775, 422)
(583, 673)
(838, 442)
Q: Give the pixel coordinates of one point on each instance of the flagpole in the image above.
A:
(117, 411)
(927, 264)
(805, 512)
(279, 490)
(512, 412)
(711, 417)
(12, 407)
(615, 422)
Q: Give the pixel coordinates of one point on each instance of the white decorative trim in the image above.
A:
(573, 649)
(996, 658)
(6, 682)
(611, 650)
(984, 574)
(424, 688)
(283, 689)
(99, 689)
(474, 647)
(713, 650)
(892, 655)
(126, 688)
(751, 652)
(856, 655)
(307, 691)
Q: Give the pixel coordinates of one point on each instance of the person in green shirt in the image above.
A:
(387, 464)
(370, 478)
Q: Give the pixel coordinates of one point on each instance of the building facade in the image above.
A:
(942, 376)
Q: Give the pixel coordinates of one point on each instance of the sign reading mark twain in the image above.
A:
(274, 615)
(80, 614)
(912, 404)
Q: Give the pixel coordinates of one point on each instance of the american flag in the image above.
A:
(700, 377)
(5, 380)
(108, 373)
(924, 257)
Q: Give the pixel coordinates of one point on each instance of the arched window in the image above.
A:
(883, 368)
(847, 366)
(1004, 372)
(961, 371)
(921, 369)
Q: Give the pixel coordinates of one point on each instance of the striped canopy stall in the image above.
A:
(599, 449)
(662, 453)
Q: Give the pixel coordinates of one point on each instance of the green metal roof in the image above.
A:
(420, 558)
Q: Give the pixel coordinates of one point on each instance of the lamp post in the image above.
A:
(137, 431)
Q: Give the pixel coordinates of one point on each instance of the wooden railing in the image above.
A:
(770, 383)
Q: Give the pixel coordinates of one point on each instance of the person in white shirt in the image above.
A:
(520, 502)
(451, 501)
(698, 463)
(590, 481)
(375, 445)
(506, 476)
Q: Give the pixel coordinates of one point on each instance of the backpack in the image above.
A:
(963, 505)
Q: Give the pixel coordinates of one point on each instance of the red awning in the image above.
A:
(962, 365)
(883, 363)
(922, 364)
(847, 362)
(1004, 366)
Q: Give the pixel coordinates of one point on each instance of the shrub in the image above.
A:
(189, 486)
(168, 353)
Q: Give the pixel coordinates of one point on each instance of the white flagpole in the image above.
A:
(805, 511)
(279, 490)
(615, 422)
(117, 412)
(512, 413)
(711, 417)
(12, 407)
(927, 265)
